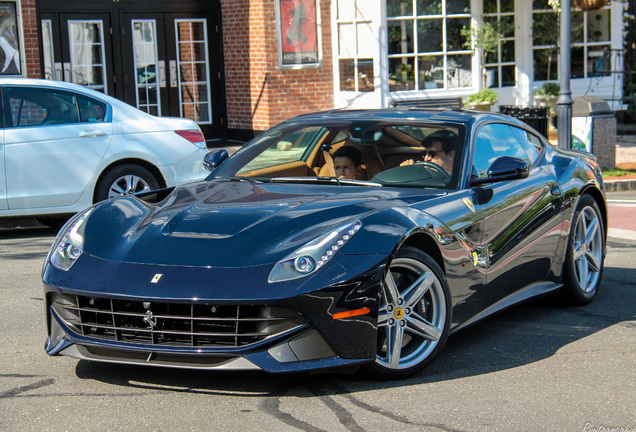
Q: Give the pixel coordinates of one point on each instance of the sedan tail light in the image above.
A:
(194, 136)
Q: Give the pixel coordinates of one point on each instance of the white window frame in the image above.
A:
(147, 87)
(370, 12)
(73, 61)
(208, 80)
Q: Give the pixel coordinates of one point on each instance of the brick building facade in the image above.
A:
(259, 94)
(371, 53)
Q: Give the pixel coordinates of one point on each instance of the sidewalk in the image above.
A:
(625, 159)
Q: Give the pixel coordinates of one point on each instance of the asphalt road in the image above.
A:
(536, 367)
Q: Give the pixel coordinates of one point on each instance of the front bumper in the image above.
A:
(117, 326)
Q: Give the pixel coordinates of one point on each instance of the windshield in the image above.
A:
(368, 153)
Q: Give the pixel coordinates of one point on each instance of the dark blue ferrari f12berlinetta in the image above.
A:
(279, 261)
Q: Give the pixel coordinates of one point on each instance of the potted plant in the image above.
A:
(427, 78)
(482, 100)
(483, 39)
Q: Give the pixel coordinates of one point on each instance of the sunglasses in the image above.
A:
(432, 153)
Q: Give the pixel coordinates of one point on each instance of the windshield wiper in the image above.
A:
(238, 179)
(324, 180)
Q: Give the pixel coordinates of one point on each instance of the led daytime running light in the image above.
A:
(314, 255)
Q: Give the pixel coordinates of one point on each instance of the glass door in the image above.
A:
(87, 51)
(169, 68)
(166, 64)
(145, 56)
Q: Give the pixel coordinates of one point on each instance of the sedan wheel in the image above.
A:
(414, 315)
(125, 180)
(586, 250)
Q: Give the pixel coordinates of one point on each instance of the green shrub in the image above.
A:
(483, 95)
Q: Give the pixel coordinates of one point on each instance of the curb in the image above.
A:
(619, 185)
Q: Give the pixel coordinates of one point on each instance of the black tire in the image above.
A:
(583, 268)
(125, 180)
(415, 312)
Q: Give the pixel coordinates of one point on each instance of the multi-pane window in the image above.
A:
(145, 56)
(591, 43)
(590, 37)
(193, 66)
(425, 45)
(500, 64)
(86, 40)
(355, 56)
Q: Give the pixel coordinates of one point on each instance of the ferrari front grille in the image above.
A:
(172, 324)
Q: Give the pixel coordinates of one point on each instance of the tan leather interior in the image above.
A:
(291, 169)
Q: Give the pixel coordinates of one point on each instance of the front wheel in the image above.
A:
(124, 180)
(414, 316)
(585, 254)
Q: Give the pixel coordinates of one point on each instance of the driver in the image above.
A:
(439, 148)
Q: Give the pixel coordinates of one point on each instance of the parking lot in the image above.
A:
(535, 367)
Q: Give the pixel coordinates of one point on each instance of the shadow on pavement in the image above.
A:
(520, 336)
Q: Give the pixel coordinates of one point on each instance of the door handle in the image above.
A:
(173, 73)
(91, 133)
(67, 72)
(58, 74)
(162, 73)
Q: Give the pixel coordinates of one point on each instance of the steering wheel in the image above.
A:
(439, 172)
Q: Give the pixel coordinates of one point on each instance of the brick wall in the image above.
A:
(259, 94)
(31, 45)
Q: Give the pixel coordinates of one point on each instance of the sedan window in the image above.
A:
(91, 110)
(37, 106)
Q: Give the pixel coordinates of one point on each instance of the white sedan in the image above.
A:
(64, 147)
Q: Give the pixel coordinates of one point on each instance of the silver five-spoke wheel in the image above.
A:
(413, 317)
(586, 252)
(588, 249)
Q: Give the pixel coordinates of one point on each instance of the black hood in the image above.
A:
(228, 223)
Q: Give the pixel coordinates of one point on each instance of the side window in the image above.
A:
(91, 110)
(36, 107)
(530, 142)
(493, 141)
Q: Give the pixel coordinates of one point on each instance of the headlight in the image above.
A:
(314, 255)
(69, 243)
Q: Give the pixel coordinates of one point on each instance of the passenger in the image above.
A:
(439, 149)
(347, 162)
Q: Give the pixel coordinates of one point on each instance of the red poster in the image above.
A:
(298, 32)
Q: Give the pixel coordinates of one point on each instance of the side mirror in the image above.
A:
(214, 158)
(505, 168)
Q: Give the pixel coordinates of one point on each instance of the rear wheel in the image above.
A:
(414, 316)
(125, 180)
(584, 261)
